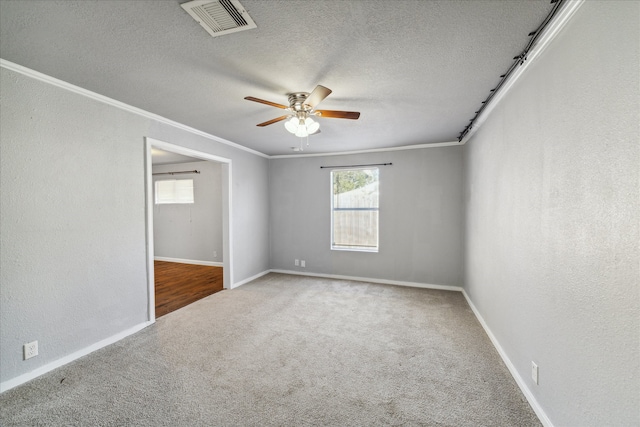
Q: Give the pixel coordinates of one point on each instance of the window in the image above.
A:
(174, 191)
(354, 206)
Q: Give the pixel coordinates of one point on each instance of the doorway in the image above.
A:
(225, 179)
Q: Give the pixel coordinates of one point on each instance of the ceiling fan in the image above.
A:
(302, 105)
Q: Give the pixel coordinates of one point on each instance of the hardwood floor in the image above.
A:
(179, 284)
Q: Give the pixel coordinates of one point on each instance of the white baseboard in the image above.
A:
(21, 379)
(544, 419)
(250, 279)
(514, 373)
(9, 384)
(188, 261)
(372, 280)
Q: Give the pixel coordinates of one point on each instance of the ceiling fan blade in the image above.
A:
(270, 122)
(316, 97)
(262, 101)
(353, 115)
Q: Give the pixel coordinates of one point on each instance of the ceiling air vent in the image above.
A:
(219, 17)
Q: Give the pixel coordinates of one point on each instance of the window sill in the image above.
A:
(353, 249)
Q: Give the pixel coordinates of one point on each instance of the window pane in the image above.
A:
(184, 191)
(355, 228)
(355, 203)
(174, 191)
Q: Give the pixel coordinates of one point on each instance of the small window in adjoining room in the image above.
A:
(354, 209)
(174, 191)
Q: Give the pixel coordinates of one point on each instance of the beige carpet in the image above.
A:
(288, 351)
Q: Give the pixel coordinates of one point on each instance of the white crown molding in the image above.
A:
(549, 33)
(135, 110)
(373, 150)
(121, 105)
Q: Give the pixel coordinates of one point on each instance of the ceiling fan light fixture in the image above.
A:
(302, 132)
(302, 105)
(291, 125)
(312, 126)
(302, 126)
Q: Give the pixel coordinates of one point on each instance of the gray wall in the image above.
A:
(421, 217)
(552, 202)
(72, 202)
(551, 195)
(191, 231)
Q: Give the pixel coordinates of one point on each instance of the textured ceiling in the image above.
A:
(416, 70)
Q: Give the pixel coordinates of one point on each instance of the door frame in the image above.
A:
(227, 253)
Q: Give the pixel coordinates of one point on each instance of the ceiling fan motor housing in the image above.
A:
(297, 102)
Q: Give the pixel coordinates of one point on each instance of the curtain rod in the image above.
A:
(174, 173)
(356, 166)
(519, 60)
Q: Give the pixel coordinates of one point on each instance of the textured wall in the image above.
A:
(191, 231)
(552, 216)
(73, 222)
(421, 217)
(72, 203)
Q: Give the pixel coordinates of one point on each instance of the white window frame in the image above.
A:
(354, 248)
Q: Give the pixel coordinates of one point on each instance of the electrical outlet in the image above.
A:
(302, 263)
(534, 372)
(215, 254)
(297, 262)
(30, 349)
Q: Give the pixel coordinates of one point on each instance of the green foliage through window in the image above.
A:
(347, 180)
